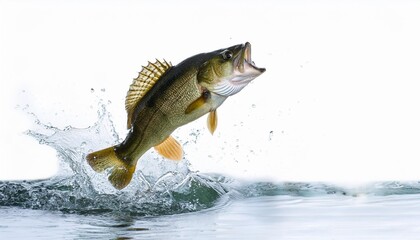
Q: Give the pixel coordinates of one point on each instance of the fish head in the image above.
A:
(229, 70)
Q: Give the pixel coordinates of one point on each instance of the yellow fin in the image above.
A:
(170, 149)
(148, 76)
(198, 102)
(121, 173)
(121, 176)
(212, 121)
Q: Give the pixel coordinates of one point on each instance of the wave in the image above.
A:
(172, 194)
(68, 196)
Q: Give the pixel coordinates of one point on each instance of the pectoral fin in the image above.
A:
(170, 149)
(199, 102)
(212, 121)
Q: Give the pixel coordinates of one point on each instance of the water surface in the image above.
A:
(168, 200)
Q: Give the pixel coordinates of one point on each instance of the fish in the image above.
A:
(164, 97)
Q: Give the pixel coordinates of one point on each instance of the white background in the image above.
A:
(340, 95)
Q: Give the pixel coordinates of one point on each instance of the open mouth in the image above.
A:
(244, 71)
(247, 62)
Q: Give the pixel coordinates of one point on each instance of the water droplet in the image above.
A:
(270, 135)
(92, 90)
(102, 89)
(253, 106)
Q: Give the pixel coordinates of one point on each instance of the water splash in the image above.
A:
(158, 187)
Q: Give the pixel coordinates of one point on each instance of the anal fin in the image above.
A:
(170, 149)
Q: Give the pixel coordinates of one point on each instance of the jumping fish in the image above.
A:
(164, 97)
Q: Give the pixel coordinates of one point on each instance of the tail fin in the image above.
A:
(121, 173)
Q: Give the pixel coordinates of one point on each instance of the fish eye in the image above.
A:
(227, 55)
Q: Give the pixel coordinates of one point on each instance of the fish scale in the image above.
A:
(164, 97)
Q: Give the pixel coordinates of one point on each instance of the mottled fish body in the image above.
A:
(164, 97)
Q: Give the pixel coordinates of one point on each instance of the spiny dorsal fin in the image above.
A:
(170, 149)
(148, 76)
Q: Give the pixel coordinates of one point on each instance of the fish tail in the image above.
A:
(121, 172)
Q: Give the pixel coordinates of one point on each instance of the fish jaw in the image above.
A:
(244, 72)
(244, 63)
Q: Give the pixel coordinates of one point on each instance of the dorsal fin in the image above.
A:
(148, 76)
